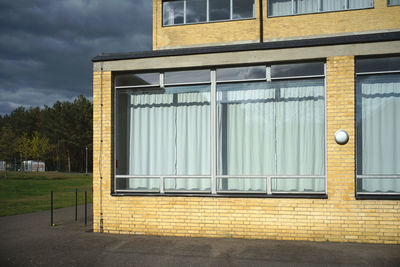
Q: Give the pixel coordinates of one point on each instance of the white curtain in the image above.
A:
(280, 7)
(307, 6)
(271, 129)
(300, 135)
(394, 2)
(245, 134)
(354, 4)
(169, 135)
(332, 5)
(380, 151)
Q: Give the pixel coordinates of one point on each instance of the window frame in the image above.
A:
(359, 177)
(215, 177)
(207, 15)
(346, 4)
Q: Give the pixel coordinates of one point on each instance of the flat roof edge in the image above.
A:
(324, 41)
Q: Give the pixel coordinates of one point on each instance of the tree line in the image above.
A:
(57, 135)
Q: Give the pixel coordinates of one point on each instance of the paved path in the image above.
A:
(28, 240)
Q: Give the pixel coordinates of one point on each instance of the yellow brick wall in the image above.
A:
(379, 18)
(338, 218)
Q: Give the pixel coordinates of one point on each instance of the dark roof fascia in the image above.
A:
(325, 41)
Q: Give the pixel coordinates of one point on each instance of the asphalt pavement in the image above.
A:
(29, 240)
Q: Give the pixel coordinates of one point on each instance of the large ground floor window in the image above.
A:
(258, 129)
(378, 125)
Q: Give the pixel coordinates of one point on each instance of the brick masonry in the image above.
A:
(340, 218)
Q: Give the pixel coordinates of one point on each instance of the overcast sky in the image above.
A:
(46, 46)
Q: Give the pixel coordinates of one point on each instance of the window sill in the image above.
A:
(230, 195)
(377, 197)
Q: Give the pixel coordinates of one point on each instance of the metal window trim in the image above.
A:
(137, 86)
(240, 81)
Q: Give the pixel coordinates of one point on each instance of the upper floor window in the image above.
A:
(177, 12)
(393, 2)
(294, 7)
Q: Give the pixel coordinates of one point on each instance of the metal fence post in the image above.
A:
(85, 208)
(76, 204)
(51, 209)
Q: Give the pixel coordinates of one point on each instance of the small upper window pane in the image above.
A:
(354, 4)
(173, 12)
(280, 7)
(378, 64)
(137, 79)
(196, 11)
(332, 5)
(220, 10)
(243, 9)
(394, 2)
(297, 69)
(241, 73)
(190, 76)
(307, 6)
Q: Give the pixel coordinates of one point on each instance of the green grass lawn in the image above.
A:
(29, 192)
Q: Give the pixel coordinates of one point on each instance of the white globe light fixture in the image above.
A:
(341, 137)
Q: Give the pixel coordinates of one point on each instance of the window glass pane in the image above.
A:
(298, 185)
(196, 11)
(121, 132)
(245, 119)
(300, 127)
(220, 10)
(255, 185)
(297, 69)
(138, 184)
(241, 73)
(360, 3)
(190, 76)
(280, 7)
(332, 5)
(187, 184)
(378, 64)
(394, 2)
(173, 12)
(137, 79)
(168, 131)
(378, 184)
(243, 9)
(378, 124)
(307, 6)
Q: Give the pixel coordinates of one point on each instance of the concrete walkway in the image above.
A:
(28, 240)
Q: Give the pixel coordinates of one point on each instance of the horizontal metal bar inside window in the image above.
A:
(183, 84)
(378, 176)
(138, 86)
(240, 81)
(297, 77)
(378, 72)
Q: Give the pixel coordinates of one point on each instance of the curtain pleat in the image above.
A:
(380, 132)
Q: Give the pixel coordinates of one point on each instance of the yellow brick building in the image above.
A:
(253, 119)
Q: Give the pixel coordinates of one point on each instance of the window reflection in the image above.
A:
(173, 12)
(241, 73)
(220, 9)
(243, 9)
(196, 11)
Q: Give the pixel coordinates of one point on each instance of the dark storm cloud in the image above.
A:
(46, 45)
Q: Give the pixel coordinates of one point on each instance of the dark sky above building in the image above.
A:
(46, 46)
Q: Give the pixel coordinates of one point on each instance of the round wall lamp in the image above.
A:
(341, 137)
